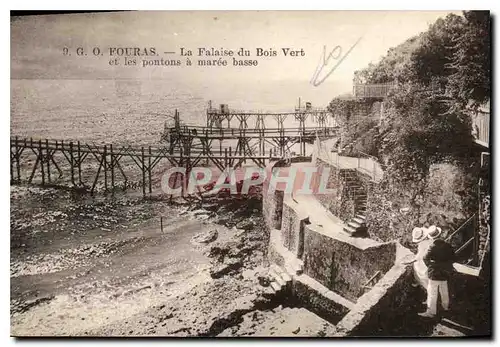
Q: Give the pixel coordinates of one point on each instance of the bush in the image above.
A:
(445, 198)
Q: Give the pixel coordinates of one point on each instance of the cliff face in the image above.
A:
(442, 199)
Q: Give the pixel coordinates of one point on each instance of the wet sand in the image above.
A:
(65, 280)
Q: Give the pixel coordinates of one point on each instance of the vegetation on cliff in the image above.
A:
(440, 76)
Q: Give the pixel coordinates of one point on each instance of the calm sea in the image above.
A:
(134, 111)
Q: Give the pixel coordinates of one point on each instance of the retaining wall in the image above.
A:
(341, 265)
(272, 202)
(335, 270)
(388, 309)
(339, 200)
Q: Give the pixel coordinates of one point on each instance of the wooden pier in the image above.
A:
(111, 166)
(248, 140)
(226, 117)
(59, 162)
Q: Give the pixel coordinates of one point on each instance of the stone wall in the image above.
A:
(292, 230)
(391, 307)
(341, 266)
(272, 202)
(335, 269)
(344, 267)
(339, 201)
(317, 299)
(276, 253)
(388, 309)
(272, 206)
(358, 129)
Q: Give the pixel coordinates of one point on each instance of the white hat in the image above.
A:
(418, 234)
(434, 232)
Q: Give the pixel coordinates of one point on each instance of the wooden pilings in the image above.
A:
(250, 143)
(16, 150)
(215, 117)
(100, 167)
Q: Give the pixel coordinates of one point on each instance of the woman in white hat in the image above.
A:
(419, 235)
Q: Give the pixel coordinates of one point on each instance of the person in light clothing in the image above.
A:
(419, 235)
(439, 260)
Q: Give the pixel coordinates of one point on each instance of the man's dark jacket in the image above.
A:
(439, 260)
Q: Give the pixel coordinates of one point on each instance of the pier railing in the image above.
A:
(53, 162)
(194, 130)
(225, 116)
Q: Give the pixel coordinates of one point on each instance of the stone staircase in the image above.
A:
(280, 279)
(356, 226)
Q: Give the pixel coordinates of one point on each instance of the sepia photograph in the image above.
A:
(321, 174)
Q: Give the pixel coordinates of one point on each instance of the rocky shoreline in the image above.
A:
(105, 267)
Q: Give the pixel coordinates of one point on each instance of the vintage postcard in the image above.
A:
(250, 173)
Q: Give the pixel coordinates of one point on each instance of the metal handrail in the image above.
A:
(371, 279)
(372, 173)
(460, 227)
(464, 245)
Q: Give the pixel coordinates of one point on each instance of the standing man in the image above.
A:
(419, 236)
(439, 260)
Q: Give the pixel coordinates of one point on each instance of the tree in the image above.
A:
(430, 60)
(470, 81)
(422, 58)
(418, 131)
(439, 75)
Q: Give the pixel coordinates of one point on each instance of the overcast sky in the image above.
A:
(37, 42)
